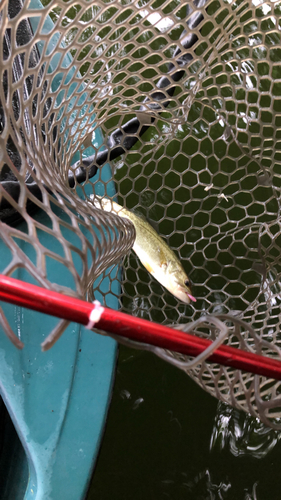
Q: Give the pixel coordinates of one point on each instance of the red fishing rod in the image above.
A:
(117, 323)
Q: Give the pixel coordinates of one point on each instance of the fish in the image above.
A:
(153, 252)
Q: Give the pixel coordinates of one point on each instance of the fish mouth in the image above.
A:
(184, 295)
(193, 299)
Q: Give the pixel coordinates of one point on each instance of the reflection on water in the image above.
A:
(203, 486)
(241, 434)
(166, 438)
(253, 494)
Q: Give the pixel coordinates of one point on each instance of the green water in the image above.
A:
(163, 441)
(165, 437)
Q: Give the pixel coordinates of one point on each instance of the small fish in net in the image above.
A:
(153, 252)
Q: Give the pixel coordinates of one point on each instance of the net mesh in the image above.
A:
(181, 102)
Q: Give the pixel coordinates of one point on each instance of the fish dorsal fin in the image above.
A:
(154, 224)
(138, 214)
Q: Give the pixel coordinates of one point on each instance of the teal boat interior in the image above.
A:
(57, 400)
(54, 404)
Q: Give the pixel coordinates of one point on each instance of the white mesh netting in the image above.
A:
(175, 109)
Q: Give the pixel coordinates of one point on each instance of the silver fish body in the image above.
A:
(153, 252)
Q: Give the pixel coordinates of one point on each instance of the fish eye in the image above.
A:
(187, 283)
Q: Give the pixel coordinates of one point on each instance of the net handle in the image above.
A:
(117, 323)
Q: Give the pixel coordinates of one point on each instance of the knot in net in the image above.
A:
(173, 110)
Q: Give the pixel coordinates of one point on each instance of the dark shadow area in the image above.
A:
(13, 461)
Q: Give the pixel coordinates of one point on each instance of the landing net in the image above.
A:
(181, 102)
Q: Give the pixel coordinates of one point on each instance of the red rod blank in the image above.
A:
(118, 323)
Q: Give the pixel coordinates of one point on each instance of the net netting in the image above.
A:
(181, 103)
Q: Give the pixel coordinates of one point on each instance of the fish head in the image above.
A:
(180, 286)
